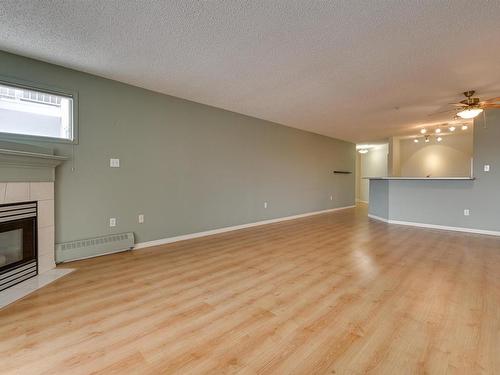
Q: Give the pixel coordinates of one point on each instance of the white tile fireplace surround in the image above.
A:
(27, 174)
(43, 194)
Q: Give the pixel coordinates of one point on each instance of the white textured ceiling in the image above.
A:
(355, 70)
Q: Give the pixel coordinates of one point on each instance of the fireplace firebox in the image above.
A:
(18, 243)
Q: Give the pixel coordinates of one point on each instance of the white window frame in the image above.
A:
(8, 81)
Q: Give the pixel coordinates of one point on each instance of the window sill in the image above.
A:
(35, 138)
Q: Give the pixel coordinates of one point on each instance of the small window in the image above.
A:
(29, 112)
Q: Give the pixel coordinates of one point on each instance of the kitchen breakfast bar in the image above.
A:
(452, 203)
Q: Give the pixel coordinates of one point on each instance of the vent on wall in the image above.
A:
(91, 247)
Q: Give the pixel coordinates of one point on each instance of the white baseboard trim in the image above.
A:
(379, 218)
(163, 241)
(435, 226)
(361, 201)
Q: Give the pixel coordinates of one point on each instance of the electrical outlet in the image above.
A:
(112, 221)
(486, 167)
(114, 163)
(141, 218)
(265, 204)
(466, 212)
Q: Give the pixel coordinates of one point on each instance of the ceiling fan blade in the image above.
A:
(441, 112)
(491, 100)
(489, 106)
(458, 104)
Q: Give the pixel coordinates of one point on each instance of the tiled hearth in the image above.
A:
(21, 290)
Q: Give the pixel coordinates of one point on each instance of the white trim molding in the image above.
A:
(379, 218)
(163, 241)
(435, 226)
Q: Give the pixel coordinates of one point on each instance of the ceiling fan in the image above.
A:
(470, 107)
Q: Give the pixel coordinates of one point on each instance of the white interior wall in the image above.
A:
(450, 158)
(371, 164)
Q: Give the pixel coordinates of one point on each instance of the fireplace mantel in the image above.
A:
(20, 163)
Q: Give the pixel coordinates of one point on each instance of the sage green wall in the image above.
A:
(186, 166)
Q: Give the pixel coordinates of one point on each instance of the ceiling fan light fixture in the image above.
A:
(469, 113)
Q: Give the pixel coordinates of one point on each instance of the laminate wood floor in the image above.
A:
(330, 294)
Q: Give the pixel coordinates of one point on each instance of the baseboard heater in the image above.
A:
(93, 247)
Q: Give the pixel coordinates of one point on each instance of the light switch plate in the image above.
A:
(114, 163)
(112, 222)
(466, 212)
(486, 167)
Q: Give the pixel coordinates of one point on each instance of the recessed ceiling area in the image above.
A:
(354, 70)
